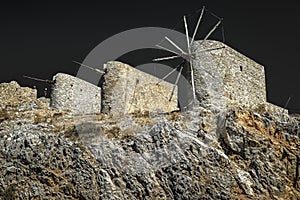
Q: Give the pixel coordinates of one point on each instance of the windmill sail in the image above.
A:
(189, 55)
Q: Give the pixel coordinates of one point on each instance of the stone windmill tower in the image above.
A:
(220, 77)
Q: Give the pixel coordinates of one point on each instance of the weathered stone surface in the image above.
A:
(199, 154)
(76, 95)
(267, 147)
(224, 72)
(271, 108)
(49, 154)
(128, 90)
(12, 95)
(257, 156)
(43, 102)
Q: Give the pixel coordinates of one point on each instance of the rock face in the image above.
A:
(47, 154)
(267, 146)
(128, 90)
(76, 95)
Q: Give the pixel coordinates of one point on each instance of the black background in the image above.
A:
(41, 39)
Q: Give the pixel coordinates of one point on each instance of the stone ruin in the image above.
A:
(124, 90)
(128, 90)
(13, 96)
(239, 80)
(74, 94)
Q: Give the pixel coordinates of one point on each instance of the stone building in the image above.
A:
(128, 90)
(223, 78)
(71, 93)
(230, 78)
(125, 90)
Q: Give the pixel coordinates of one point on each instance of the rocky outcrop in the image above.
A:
(267, 147)
(12, 95)
(50, 154)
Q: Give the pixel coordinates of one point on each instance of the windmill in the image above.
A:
(189, 55)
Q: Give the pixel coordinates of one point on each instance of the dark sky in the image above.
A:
(41, 39)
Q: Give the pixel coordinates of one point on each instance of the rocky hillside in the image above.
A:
(52, 154)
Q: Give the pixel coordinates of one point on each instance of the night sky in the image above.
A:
(41, 39)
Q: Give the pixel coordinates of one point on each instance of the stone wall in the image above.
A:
(128, 90)
(223, 78)
(72, 93)
(241, 79)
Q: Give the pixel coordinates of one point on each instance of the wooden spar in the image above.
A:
(165, 58)
(187, 35)
(39, 79)
(212, 49)
(91, 68)
(166, 49)
(189, 58)
(166, 76)
(177, 79)
(288, 101)
(211, 31)
(177, 47)
(197, 26)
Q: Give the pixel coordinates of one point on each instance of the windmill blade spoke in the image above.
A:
(166, 49)
(178, 76)
(212, 49)
(165, 58)
(175, 45)
(197, 26)
(212, 30)
(91, 68)
(167, 75)
(174, 86)
(187, 34)
(192, 79)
